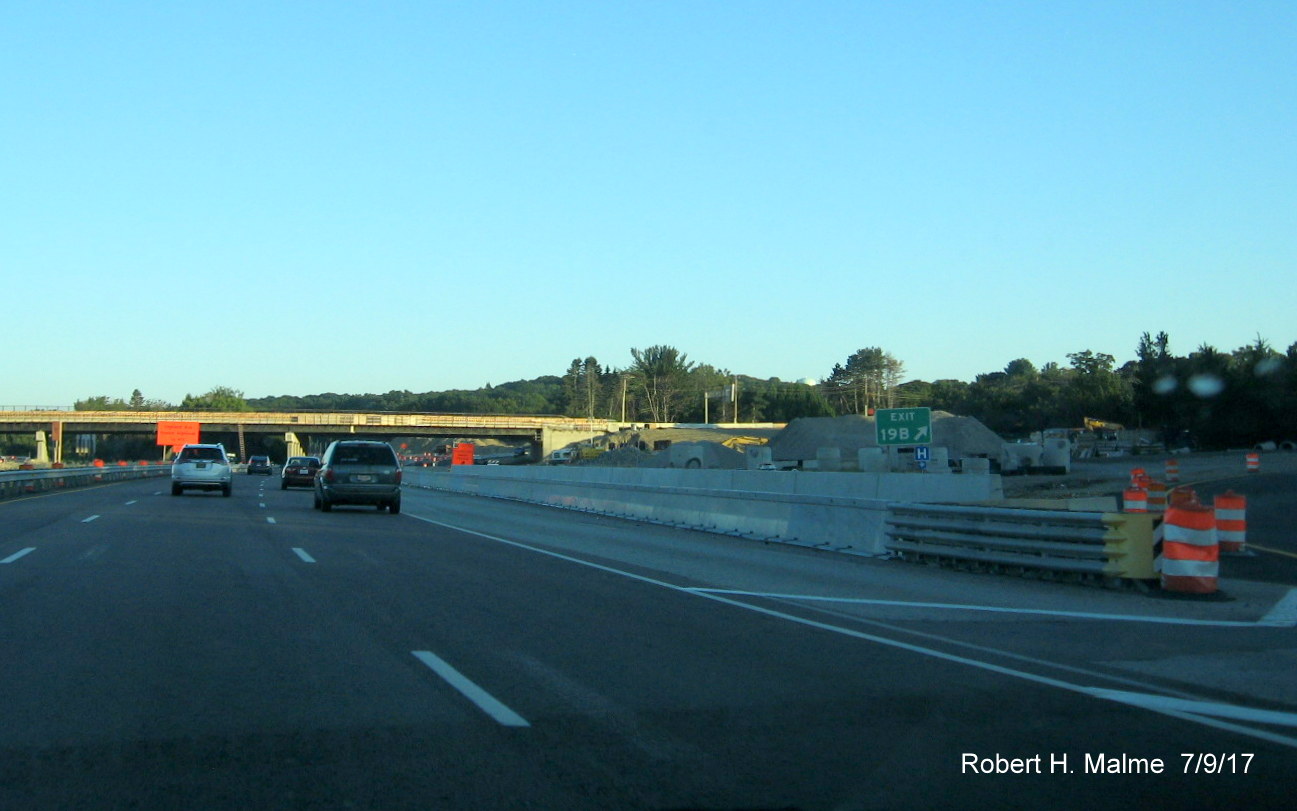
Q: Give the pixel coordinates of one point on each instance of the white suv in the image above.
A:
(201, 467)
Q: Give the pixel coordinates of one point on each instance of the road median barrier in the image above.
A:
(836, 511)
(30, 482)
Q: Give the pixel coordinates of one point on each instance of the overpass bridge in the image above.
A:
(302, 431)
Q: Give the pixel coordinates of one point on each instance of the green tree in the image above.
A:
(572, 388)
(701, 381)
(1094, 389)
(867, 381)
(620, 395)
(948, 395)
(1153, 385)
(1286, 426)
(661, 373)
(221, 398)
(1021, 369)
(99, 403)
(1014, 402)
(1254, 393)
(785, 402)
(583, 388)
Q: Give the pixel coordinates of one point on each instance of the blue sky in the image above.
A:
(301, 197)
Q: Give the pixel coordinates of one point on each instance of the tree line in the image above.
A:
(1208, 397)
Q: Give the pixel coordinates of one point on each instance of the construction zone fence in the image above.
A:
(14, 483)
(1077, 544)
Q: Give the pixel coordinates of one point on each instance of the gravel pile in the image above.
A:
(962, 436)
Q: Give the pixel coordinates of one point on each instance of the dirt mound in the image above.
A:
(627, 456)
(962, 436)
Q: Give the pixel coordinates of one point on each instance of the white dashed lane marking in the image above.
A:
(20, 553)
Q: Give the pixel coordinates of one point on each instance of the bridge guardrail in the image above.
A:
(24, 482)
(305, 418)
(1096, 544)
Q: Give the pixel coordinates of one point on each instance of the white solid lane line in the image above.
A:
(1198, 717)
(484, 700)
(18, 554)
(301, 553)
(132, 501)
(1283, 612)
(1079, 615)
(88, 520)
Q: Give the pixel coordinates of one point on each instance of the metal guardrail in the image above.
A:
(1108, 545)
(24, 482)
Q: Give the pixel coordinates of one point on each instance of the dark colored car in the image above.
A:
(299, 471)
(259, 464)
(357, 471)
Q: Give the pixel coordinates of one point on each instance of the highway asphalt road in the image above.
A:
(1272, 549)
(204, 652)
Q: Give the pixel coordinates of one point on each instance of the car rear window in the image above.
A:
(201, 455)
(363, 455)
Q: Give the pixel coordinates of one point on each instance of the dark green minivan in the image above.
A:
(359, 471)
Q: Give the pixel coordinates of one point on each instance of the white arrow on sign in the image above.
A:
(921, 434)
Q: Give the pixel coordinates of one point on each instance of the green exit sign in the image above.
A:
(904, 426)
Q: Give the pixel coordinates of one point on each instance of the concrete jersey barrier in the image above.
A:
(839, 511)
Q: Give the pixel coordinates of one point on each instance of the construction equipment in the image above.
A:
(1091, 424)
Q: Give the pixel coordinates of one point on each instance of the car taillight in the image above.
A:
(398, 476)
(328, 474)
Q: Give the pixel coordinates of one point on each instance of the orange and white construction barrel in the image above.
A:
(1181, 496)
(1134, 500)
(1231, 521)
(1253, 462)
(1156, 492)
(1172, 471)
(1138, 476)
(1190, 559)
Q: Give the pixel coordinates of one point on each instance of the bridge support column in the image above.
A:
(551, 439)
(42, 448)
(292, 446)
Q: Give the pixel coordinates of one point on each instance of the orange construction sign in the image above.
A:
(177, 434)
(463, 454)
